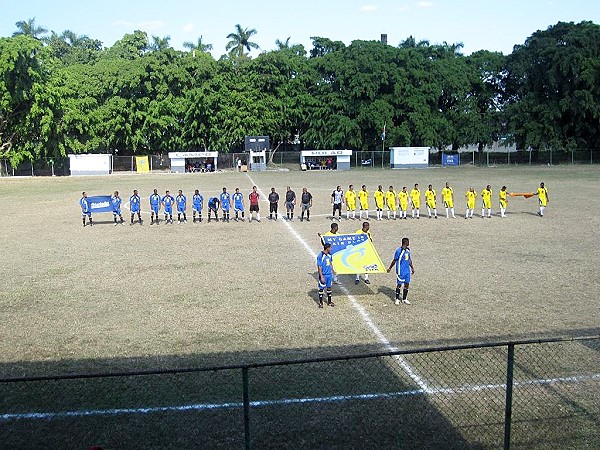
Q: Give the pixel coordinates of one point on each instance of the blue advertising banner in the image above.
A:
(450, 160)
(100, 203)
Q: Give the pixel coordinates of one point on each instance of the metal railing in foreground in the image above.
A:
(530, 393)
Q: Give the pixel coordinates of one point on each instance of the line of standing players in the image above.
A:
(169, 204)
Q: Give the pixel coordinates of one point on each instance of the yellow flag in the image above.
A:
(142, 165)
(354, 254)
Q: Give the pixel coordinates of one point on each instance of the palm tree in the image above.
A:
(159, 44)
(198, 47)
(72, 38)
(29, 28)
(240, 40)
(281, 45)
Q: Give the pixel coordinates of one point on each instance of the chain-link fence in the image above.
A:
(291, 160)
(528, 394)
(522, 157)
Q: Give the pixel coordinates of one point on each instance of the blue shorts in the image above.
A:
(135, 210)
(403, 278)
(168, 210)
(155, 209)
(328, 282)
(180, 210)
(86, 213)
(197, 208)
(117, 212)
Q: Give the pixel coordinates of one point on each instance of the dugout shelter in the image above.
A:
(325, 159)
(193, 161)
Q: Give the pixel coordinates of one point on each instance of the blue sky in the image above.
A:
(490, 25)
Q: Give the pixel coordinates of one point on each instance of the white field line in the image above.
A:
(292, 401)
(358, 307)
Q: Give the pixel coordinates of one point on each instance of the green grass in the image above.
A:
(106, 298)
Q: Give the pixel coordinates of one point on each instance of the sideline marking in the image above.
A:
(293, 401)
(411, 372)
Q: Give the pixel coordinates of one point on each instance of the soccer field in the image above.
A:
(104, 298)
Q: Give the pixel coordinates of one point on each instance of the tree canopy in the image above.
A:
(65, 93)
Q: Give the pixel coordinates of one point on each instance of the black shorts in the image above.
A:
(253, 208)
(273, 207)
(337, 206)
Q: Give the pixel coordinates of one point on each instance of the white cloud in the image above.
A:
(122, 23)
(425, 4)
(151, 25)
(188, 27)
(369, 8)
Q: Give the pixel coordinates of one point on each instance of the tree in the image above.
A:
(200, 46)
(240, 41)
(29, 28)
(553, 90)
(28, 106)
(159, 44)
(130, 46)
(281, 45)
(72, 48)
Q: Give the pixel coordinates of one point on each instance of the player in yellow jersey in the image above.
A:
(543, 197)
(363, 199)
(403, 202)
(486, 198)
(448, 199)
(431, 201)
(350, 197)
(503, 200)
(364, 230)
(390, 201)
(379, 196)
(415, 201)
(471, 195)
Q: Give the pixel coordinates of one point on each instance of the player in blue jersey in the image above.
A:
(326, 273)
(238, 204)
(181, 201)
(135, 204)
(404, 269)
(86, 210)
(197, 201)
(213, 206)
(167, 202)
(154, 207)
(225, 199)
(116, 205)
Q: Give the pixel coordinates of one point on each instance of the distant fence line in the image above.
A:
(291, 160)
(487, 395)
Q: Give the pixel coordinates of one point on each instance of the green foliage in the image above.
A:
(553, 85)
(240, 41)
(66, 94)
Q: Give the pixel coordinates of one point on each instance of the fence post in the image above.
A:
(509, 392)
(246, 398)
